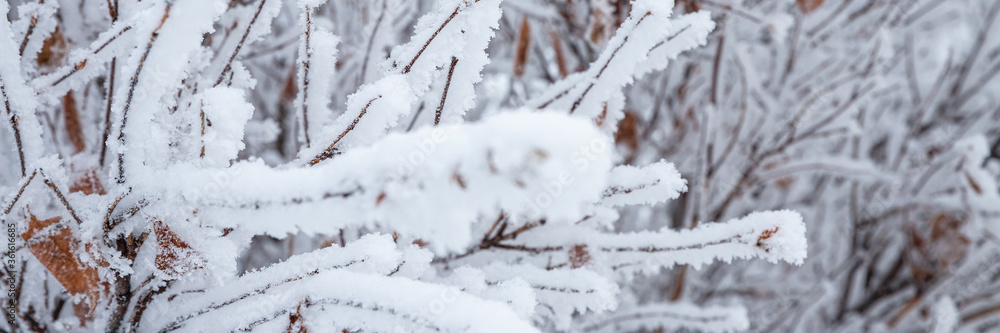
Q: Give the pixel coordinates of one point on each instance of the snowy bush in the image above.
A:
(488, 165)
(149, 176)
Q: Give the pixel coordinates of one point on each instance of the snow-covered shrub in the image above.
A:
(179, 166)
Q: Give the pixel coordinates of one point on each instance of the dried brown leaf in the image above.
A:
(972, 184)
(578, 256)
(809, 6)
(522, 47)
(765, 235)
(598, 27)
(57, 250)
(88, 182)
(560, 56)
(53, 51)
(295, 321)
(291, 88)
(628, 134)
(74, 132)
(174, 257)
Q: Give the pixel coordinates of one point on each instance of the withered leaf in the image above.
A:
(628, 133)
(87, 182)
(808, 6)
(578, 256)
(71, 117)
(58, 251)
(522, 47)
(174, 257)
(295, 321)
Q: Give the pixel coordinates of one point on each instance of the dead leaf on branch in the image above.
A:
(174, 257)
(765, 236)
(628, 134)
(578, 256)
(58, 251)
(53, 51)
(71, 117)
(808, 6)
(522, 47)
(87, 182)
(295, 321)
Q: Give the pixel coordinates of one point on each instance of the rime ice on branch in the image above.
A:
(502, 224)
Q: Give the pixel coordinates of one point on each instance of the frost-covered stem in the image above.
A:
(229, 64)
(749, 175)
(716, 65)
(20, 192)
(14, 127)
(705, 320)
(178, 323)
(131, 93)
(306, 59)
(597, 76)
(143, 302)
(111, 209)
(31, 28)
(55, 189)
(977, 47)
(332, 148)
(201, 137)
(631, 249)
(74, 68)
(444, 92)
(604, 67)
(113, 10)
(429, 40)
(371, 43)
(122, 293)
(107, 113)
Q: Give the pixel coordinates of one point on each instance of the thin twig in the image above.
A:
(17, 130)
(59, 194)
(444, 92)
(178, 322)
(331, 149)
(20, 191)
(131, 93)
(74, 68)
(229, 64)
(107, 112)
(371, 42)
(305, 76)
(605, 67)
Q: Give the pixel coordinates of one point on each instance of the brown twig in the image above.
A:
(27, 34)
(82, 64)
(178, 322)
(59, 194)
(20, 191)
(107, 112)
(444, 92)
(229, 64)
(429, 40)
(605, 67)
(13, 124)
(371, 42)
(331, 149)
(305, 76)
